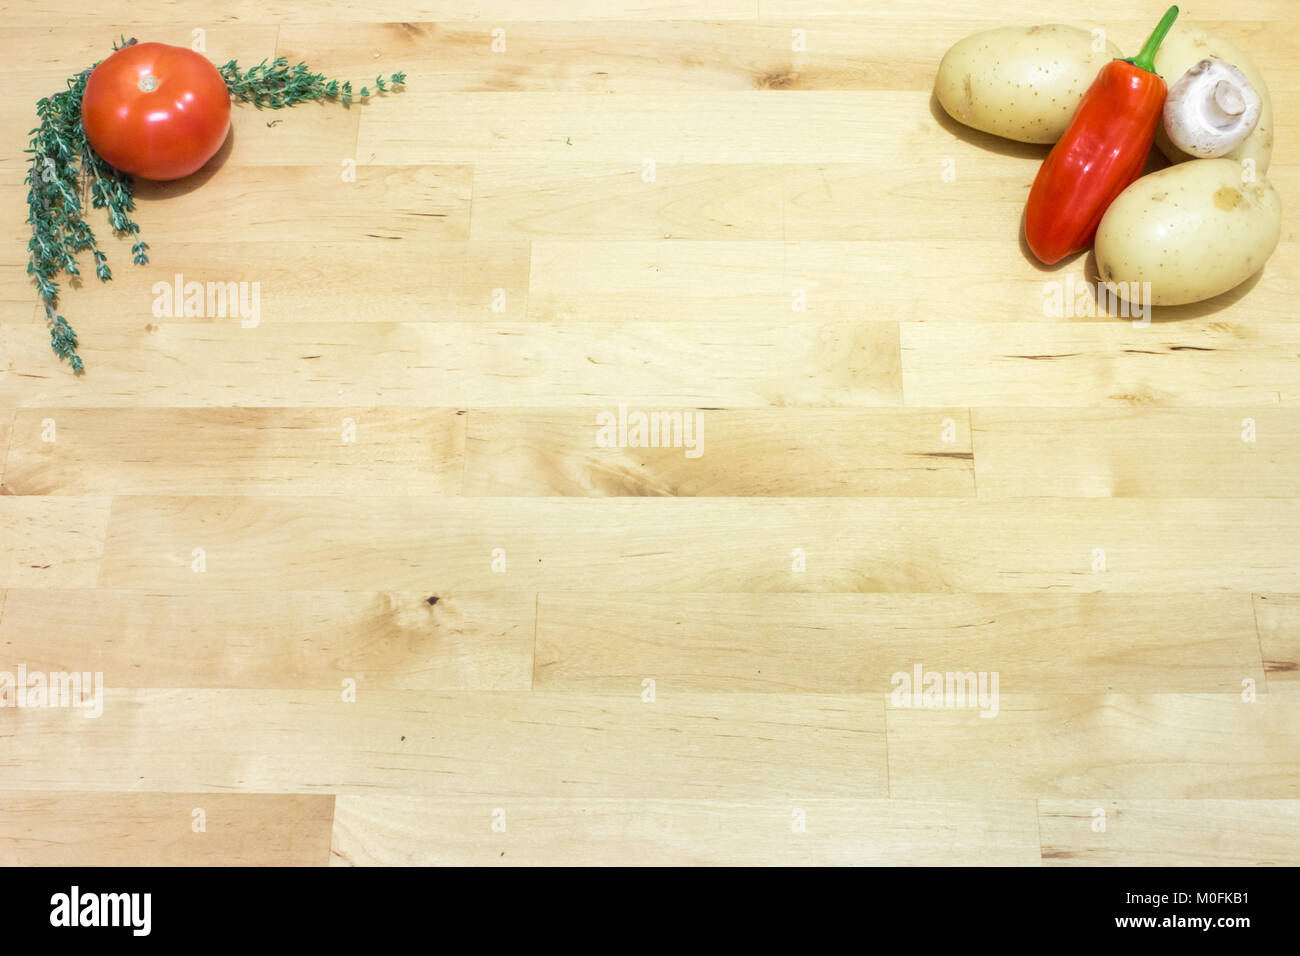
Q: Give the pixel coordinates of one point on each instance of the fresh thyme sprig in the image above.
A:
(278, 85)
(62, 164)
(65, 170)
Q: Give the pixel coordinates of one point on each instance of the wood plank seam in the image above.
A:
(9, 444)
(532, 671)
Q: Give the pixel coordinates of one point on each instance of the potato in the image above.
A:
(1020, 82)
(1183, 48)
(1193, 231)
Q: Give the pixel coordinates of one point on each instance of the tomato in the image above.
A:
(156, 111)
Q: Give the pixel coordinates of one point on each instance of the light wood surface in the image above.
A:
(367, 586)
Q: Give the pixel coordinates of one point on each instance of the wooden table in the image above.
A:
(368, 580)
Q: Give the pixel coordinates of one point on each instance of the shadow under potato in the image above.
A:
(986, 141)
(1038, 151)
(1155, 161)
(1169, 313)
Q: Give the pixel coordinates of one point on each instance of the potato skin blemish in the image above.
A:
(1225, 197)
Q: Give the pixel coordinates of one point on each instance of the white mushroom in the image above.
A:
(1211, 109)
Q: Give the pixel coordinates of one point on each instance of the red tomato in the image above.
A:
(156, 111)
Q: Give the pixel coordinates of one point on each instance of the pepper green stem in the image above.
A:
(1146, 60)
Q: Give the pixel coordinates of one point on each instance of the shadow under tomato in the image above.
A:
(148, 189)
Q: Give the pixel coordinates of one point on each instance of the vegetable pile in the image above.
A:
(151, 111)
(1183, 234)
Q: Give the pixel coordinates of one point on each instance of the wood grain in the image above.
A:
(1162, 746)
(1138, 452)
(422, 281)
(877, 279)
(753, 545)
(447, 364)
(374, 11)
(1170, 832)
(285, 203)
(1112, 365)
(309, 639)
(6, 431)
(359, 569)
(372, 831)
(1278, 619)
(820, 452)
(164, 829)
(1053, 643)
(51, 541)
(454, 744)
(257, 451)
(849, 135)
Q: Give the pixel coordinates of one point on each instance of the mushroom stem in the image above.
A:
(1228, 101)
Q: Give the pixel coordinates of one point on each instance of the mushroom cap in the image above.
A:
(1211, 109)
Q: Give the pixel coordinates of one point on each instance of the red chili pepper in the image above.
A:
(1101, 153)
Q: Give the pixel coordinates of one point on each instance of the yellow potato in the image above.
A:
(1183, 48)
(1021, 82)
(1193, 231)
